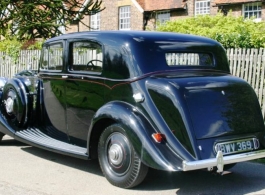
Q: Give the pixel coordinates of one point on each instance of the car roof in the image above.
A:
(140, 35)
(144, 51)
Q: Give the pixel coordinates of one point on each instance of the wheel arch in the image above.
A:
(98, 128)
(138, 130)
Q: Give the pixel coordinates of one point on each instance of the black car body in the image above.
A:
(135, 100)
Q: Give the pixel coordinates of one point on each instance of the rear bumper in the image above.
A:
(221, 160)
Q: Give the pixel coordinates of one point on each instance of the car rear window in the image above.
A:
(189, 59)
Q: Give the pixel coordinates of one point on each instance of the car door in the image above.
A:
(51, 73)
(84, 88)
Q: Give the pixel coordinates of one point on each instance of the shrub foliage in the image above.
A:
(230, 31)
(11, 46)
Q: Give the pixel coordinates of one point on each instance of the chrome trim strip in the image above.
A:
(213, 162)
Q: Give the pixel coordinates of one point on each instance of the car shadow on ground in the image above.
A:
(11, 142)
(244, 178)
(91, 166)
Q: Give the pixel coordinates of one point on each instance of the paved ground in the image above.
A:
(27, 170)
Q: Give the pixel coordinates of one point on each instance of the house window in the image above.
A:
(162, 17)
(14, 27)
(61, 27)
(252, 10)
(202, 7)
(124, 18)
(95, 22)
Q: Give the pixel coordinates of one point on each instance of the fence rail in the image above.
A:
(28, 59)
(248, 64)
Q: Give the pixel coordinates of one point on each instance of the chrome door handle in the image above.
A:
(64, 76)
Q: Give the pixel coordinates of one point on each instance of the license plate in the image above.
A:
(237, 146)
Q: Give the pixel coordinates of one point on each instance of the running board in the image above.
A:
(35, 137)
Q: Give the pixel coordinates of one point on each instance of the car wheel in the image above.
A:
(118, 160)
(14, 101)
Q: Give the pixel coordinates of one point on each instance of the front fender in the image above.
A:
(139, 131)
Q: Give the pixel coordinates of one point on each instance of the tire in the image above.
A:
(118, 160)
(15, 102)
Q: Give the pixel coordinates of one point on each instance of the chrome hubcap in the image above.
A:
(115, 154)
(118, 153)
(9, 105)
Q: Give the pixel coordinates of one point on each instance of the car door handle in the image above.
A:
(64, 76)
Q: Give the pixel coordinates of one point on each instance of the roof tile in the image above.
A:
(151, 5)
(222, 2)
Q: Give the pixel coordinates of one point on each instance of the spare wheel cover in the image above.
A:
(15, 102)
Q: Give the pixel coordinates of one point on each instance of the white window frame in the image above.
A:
(61, 28)
(95, 22)
(202, 7)
(252, 9)
(162, 17)
(125, 18)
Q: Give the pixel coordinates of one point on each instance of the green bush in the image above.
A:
(12, 47)
(230, 31)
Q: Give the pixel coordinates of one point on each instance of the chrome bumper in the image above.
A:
(221, 160)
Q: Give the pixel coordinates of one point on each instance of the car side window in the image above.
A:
(85, 56)
(52, 57)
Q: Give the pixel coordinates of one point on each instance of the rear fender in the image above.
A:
(139, 131)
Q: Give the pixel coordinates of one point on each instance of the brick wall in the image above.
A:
(109, 18)
(179, 14)
(213, 9)
(71, 28)
(86, 20)
(190, 7)
(237, 10)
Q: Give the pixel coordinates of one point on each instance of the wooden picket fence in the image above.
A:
(28, 59)
(248, 64)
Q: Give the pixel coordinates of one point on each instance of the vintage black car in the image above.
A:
(135, 100)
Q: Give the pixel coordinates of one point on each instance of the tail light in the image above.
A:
(158, 137)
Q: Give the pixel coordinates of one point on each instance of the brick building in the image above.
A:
(245, 8)
(146, 14)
